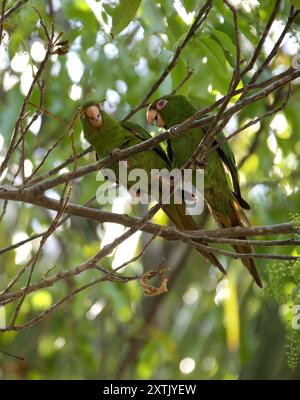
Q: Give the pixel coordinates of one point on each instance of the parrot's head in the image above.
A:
(91, 115)
(169, 111)
(94, 120)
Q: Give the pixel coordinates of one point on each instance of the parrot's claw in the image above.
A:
(197, 164)
(171, 131)
(115, 153)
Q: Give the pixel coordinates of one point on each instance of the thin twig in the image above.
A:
(54, 171)
(3, 211)
(105, 216)
(262, 38)
(189, 74)
(45, 313)
(259, 243)
(190, 237)
(31, 238)
(12, 355)
(200, 18)
(64, 201)
(253, 122)
(170, 133)
(13, 9)
(52, 48)
(2, 19)
(276, 46)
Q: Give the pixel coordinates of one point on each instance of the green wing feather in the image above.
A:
(141, 133)
(175, 212)
(228, 159)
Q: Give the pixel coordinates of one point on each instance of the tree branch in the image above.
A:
(200, 18)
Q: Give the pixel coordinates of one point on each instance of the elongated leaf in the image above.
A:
(225, 40)
(123, 15)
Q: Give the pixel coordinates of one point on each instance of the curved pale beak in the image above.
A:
(154, 118)
(94, 115)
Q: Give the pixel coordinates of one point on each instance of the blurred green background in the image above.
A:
(206, 326)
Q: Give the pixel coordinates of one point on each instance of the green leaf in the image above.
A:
(225, 40)
(123, 15)
(214, 50)
(189, 5)
(219, 4)
(217, 63)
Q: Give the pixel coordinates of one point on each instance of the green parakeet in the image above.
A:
(225, 204)
(106, 134)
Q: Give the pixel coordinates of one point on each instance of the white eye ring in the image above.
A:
(161, 104)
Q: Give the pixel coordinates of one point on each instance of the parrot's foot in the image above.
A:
(197, 164)
(115, 153)
(171, 131)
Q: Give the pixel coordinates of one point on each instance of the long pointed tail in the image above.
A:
(237, 217)
(177, 214)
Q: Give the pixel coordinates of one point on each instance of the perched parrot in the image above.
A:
(225, 204)
(106, 135)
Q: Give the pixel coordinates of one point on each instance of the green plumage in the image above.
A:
(226, 203)
(113, 134)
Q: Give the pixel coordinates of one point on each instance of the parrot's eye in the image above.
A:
(94, 115)
(161, 104)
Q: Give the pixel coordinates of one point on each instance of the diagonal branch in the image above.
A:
(12, 10)
(200, 18)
